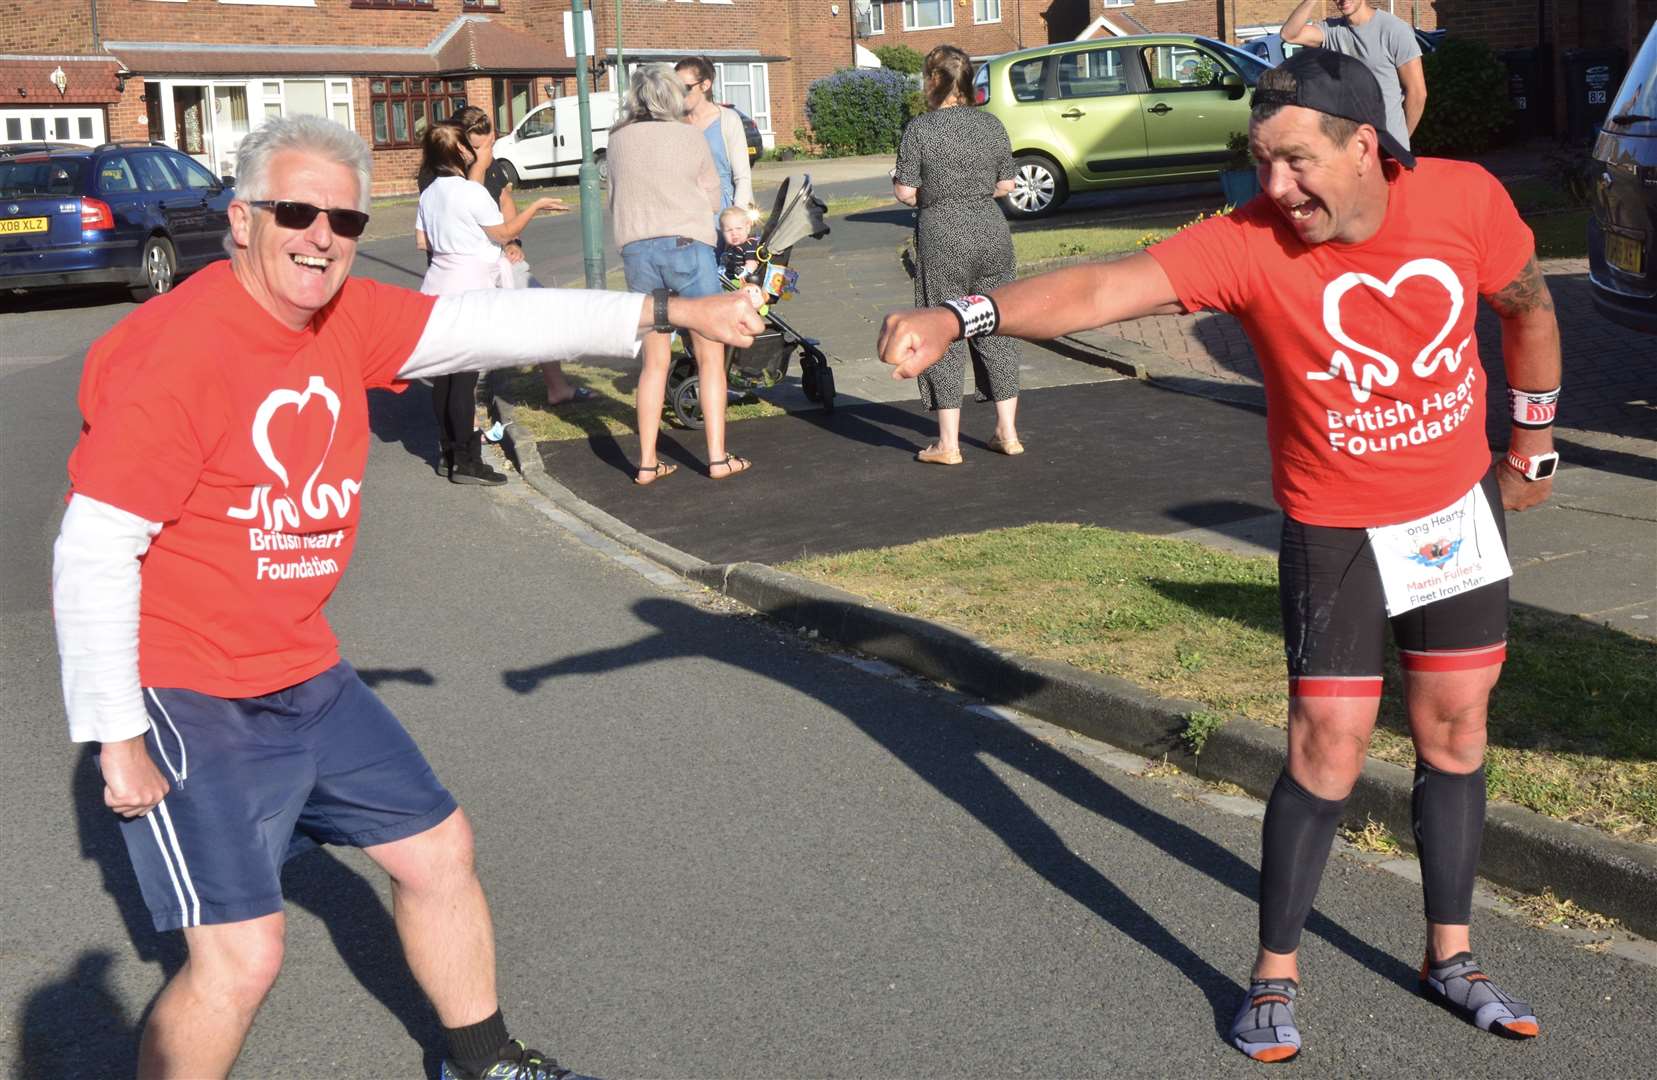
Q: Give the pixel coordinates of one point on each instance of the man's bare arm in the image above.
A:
(1037, 309)
(1413, 78)
(1530, 353)
(1299, 28)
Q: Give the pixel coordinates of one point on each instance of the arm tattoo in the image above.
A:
(1525, 293)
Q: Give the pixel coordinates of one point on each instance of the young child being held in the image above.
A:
(740, 257)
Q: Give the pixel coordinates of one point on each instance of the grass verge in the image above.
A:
(1570, 730)
(609, 412)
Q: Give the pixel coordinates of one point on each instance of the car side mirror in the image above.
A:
(1233, 85)
(228, 181)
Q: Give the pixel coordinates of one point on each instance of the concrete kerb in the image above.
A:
(1523, 850)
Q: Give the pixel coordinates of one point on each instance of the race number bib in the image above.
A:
(1443, 554)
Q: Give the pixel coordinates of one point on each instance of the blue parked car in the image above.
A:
(134, 214)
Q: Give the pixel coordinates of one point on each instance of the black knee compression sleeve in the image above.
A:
(1447, 813)
(1294, 845)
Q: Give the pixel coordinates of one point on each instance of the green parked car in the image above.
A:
(1116, 112)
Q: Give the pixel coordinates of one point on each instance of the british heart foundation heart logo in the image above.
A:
(300, 449)
(1375, 367)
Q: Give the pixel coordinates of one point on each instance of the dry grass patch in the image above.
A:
(1570, 731)
(609, 412)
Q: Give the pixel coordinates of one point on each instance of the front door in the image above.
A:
(1188, 115)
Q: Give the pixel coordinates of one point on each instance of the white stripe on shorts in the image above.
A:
(154, 818)
(192, 910)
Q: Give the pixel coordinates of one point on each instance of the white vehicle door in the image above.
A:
(533, 151)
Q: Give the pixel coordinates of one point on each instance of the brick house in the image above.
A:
(199, 74)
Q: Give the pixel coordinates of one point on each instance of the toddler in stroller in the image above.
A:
(762, 265)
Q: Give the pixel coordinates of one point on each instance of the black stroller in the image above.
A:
(796, 214)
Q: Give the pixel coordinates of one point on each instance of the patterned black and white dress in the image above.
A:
(955, 156)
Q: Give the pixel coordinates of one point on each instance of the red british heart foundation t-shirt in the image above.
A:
(1375, 394)
(247, 440)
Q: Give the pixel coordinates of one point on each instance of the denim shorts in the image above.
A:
(688, 267)
(256, 781)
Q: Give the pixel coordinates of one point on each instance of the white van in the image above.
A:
(547, 142)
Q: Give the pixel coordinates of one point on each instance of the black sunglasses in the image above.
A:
(299, 215)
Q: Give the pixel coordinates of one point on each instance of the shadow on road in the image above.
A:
(950, 751)
(75, 1026)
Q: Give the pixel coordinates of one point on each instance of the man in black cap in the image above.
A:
(1356, 276)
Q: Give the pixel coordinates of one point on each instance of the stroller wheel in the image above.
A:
(808, 381)
(686, 401)
(825, 388)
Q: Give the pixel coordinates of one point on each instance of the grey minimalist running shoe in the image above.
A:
(1461, 987)
(1265, 1025)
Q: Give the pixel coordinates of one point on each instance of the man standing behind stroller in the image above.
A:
(953, 163)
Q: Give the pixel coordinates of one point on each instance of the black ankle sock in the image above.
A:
(476, 1046)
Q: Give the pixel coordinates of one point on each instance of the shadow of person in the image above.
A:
(76, 1026)
(951, 753)
(406, 418)
(347, 905)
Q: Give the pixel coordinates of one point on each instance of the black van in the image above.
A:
(1622, 232)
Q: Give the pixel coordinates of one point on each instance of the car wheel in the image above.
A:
(603, 165)
(510, 171)
(1038, 187)
(157, 269)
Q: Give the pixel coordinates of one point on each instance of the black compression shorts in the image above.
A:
(1335, 615)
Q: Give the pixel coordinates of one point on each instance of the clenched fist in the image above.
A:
(912, 341)
(729, 318)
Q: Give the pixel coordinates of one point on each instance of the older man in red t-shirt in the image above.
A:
(1355, 276)
(213, 507)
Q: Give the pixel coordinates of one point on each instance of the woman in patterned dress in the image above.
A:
(953, 163)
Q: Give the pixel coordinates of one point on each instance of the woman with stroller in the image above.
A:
(953, 163)
(664, 196)
(722, 127)
(462, 229)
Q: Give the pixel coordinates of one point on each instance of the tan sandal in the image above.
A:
(934, 455)
(734, 463)
(656, 471)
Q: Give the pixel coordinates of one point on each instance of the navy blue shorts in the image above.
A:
(256, 781)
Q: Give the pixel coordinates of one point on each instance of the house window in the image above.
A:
(327, 98)
(986, 11)
(926, 14)
(402, 108)
(871, 18)
(420, 5)
(1119, 3)
(481, 5)
(513, 98)
(748, 87)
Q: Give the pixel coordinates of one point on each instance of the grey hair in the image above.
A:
(653, 93)
(307, 134)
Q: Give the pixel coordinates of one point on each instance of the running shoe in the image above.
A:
(1459, 985)
(1265, 1025)
(517, 1062)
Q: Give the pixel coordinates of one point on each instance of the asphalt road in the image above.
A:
(712, 848)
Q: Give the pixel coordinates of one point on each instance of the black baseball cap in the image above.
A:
(1339, 85)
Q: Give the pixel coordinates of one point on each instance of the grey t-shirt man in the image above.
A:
(1384, 44)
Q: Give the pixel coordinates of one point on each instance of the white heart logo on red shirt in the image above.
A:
(318, 500)
(1377, 368)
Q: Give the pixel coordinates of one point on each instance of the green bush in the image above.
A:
(1467, 105)
(900, 58)
(858, 110)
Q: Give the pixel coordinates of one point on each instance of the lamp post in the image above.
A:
(592, 220)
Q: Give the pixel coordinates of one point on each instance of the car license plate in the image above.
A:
(23, 225)
(1625, 252)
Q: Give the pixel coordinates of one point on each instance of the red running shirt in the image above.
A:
(248, 441)
(1375, 395)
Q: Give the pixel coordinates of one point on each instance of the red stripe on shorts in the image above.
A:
(1453, 659)
(1335, 686)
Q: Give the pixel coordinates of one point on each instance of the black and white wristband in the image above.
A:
(978, 315)
(1533, 408)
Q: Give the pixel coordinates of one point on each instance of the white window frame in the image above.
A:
(985, 5)
(947, 7)
(877, 12)
(755, 86)
(271, 3)
(48, 116)
(1118, 3)
(336, 92)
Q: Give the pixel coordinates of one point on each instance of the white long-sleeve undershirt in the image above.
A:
(95, 588)
(493, 328)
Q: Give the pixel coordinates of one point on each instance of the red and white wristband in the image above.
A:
(1533, 408)
(978, 315)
